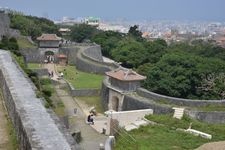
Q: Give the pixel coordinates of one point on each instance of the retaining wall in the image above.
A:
(134, 103)
(94, 52)
(127, 117)
(41, 72)
(70, 52)
(82, 92)
(35, 127)
(178, 101)
(85, 62)
(209, 117)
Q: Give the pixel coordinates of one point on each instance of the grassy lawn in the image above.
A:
(34, 66)
(24, 43)
(216, 130)
(7, 130)
(79, 79)
(167, 138)
(92, 101)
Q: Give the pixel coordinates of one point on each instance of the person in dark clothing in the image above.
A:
(90, 119)
(52, 74)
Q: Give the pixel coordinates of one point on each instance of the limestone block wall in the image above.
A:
(178, 101)
(127, 117)
(88, 61)
(82, 92)
(32, 55)
(35, 127)
(94, 52)
(4, 24)
(53, 44)
(70, 52)
(88, 66)
(209, 117)
(133, 103)
(5, 27)
(115, 100)
(125, 85)
(85, 92)
(104, 94)
(41, 72)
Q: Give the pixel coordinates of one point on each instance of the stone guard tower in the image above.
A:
(122, 81)
(48, 46)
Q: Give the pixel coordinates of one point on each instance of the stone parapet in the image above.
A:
(34, 125)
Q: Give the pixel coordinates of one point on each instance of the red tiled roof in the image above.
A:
(62, 56)
(125, 75)
(48, 37)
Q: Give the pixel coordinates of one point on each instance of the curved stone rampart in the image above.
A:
(85, 62)
(34, 125)
(144, 99)
(178, 101)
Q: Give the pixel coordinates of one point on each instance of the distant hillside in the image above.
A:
(32, 26)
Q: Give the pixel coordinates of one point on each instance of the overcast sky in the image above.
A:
(203, 10)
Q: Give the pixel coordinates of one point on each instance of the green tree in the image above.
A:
(82, 32)
(184, 75)
(108, 41)
(130, 53)
(133, 31)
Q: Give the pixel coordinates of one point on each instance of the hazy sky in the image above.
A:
(213, 10)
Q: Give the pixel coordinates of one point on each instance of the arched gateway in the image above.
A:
(122, 81)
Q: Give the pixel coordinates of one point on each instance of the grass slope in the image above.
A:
(79, 79)
(166, 137)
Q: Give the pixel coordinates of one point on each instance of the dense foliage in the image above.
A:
(32, 26)
(187, 70)
(81, 32)
(10, 44)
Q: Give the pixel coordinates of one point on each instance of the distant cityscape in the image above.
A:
(171, 31)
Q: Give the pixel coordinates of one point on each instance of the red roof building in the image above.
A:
(49, 41)
(125, 79)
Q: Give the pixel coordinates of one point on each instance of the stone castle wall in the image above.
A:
(85, 62)
(136, 101)
(178, 101)
(35, 127)
(5, 27)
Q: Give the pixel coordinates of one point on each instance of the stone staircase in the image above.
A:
(178, 112)
(135, 125)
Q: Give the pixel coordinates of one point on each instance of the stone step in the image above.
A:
(136, 125)
(178, 112)
(140, 123)
(130, 127)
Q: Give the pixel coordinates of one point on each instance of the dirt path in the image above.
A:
(4, 137)
(213, 146)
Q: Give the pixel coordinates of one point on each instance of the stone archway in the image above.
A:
(115, 103)
(49, 55)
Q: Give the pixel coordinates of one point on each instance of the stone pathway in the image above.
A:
(213, 146)
(91, 139)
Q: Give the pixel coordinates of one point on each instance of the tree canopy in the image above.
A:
(32, 26)
(187, 70)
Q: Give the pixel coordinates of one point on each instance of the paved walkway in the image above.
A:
(91, 139)
(213, 146)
